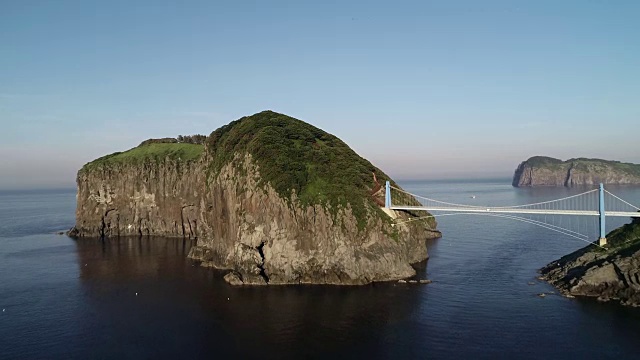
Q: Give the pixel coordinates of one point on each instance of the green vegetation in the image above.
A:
(598, 164)
(538, 161)
(192, 139)
(625, 235)
(294, 156)
(545, 162)
(166, 140)
(154, 151)
(584, 164)
(187, 139)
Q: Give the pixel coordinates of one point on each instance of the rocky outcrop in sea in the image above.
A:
(546, 171)
(608, 274)
(268, 197)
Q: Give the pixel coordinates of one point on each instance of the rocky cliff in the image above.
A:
(546, 171)
(273, 199)
(609, 274)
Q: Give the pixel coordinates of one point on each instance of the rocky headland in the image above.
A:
(269, 197)
(608, 274)
(546, 171)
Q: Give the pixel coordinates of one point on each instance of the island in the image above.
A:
(610, 273)
(269, 197)
(547, 171)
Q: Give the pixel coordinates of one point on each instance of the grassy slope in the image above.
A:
(625, 235)
(154, 152)
(295, 156)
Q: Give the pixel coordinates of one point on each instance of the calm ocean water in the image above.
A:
(143, 299)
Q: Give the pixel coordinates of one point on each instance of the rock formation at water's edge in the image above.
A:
(609, 274)
(269, 197)
(546, 171)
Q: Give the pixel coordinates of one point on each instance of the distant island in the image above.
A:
(271, 198)
(609, 274)
(547, 171)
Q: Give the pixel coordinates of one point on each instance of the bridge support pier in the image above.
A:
(603, 236)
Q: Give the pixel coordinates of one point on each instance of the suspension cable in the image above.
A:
(555, 228)
(496, 207)
(633, 206)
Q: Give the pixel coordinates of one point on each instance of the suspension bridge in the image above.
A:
(597, 204)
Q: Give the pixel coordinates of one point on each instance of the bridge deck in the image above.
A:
(500, 210)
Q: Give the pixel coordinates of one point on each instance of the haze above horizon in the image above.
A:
(423, 89)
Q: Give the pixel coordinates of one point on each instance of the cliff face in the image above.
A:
(544, 171)
(242, 221)
(611, 274)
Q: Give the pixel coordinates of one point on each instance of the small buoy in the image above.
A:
(136, 294)
(3, 310)
(227, 299)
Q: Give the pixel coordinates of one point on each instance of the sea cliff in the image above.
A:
(546, 171)
(611, 273)
(269, 197)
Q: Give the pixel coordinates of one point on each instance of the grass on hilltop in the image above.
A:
(155, 152)
(294, 156)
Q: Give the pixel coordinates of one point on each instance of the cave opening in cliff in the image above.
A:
(263, 273)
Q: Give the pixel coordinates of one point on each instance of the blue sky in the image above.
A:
(423, 89)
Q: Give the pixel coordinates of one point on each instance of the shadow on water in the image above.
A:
(143, 289)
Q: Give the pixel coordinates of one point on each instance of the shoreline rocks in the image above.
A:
(609, 274)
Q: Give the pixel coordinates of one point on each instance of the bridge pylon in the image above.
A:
(603, 236)
(387, 195)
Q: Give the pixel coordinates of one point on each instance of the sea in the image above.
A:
(142, 298)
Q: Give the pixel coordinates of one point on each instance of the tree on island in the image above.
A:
(183, 139)
(192, 139)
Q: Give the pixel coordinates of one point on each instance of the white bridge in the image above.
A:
(597, 202)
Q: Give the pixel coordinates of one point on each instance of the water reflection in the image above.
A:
(129, 257)
(210, 316)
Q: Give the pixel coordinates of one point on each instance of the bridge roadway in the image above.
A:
(499, 210)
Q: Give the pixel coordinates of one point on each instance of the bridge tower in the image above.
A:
(387, 195)
(603, 237)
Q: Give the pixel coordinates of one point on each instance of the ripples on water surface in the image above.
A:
(68, 299)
